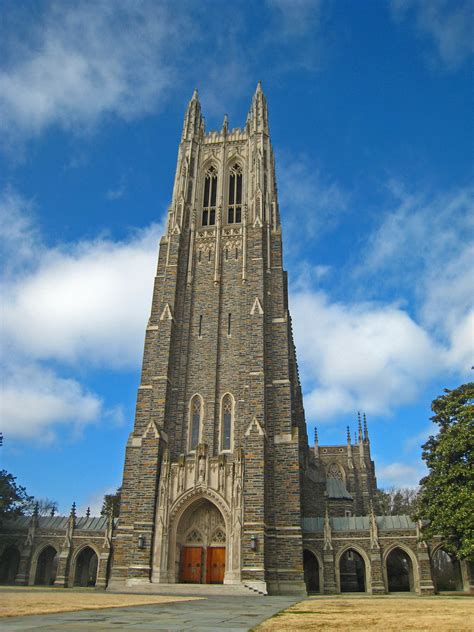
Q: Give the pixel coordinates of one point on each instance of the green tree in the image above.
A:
(111, 503)
(14, 501)
(446, 498)
(395, 501)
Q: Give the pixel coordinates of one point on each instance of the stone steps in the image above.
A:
(195, 590)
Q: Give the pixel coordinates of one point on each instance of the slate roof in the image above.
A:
(358, 523)
(336, 489)
(60, 523)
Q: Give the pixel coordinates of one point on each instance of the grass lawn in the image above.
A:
(22, 600)
(389, 613)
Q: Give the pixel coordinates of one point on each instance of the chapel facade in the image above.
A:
(220, 484)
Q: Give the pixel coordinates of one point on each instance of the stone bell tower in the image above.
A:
(212, 485)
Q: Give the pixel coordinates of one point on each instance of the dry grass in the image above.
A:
(390, 614)
(22, 600)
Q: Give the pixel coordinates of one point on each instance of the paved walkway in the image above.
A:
(233, 614)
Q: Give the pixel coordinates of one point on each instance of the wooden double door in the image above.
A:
(202, 565)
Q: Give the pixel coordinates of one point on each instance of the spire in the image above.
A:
(366, 431)
(359, 427)
(73, 511)
(193, 118)
(348, 435)
(316, 440)
(36, 510)
(258, 114)
(225, 124)
(88, 512)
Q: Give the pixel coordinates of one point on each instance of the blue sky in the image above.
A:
(370, 108)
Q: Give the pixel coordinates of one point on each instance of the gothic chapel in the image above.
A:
(220, 485)
(212, 486)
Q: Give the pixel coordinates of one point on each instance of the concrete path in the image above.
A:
(233, 614)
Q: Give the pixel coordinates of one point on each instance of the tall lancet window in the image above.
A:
(195, 421)
(210, 197)
(227, 421)
(234, 214)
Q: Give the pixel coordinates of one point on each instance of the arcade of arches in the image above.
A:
(46, 566)
(86, 567)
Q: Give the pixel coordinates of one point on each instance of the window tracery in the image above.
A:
(218, 537)
(234, 212)
(195, 422)
(194, 537)
(335, 472)
(210, 197)
(227, 422)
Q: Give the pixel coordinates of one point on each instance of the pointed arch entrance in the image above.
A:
(46, 566)
(446, 571)
(85, 573)
(201, 542)
(399, 571)
(352, 572)
(9, 563)
(311, 572)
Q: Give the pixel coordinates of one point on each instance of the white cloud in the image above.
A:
(85, 302)
(78, 63)
(35, 400)
(424, 244)
(358, 356)
(309, 197)
(77, 304)
(399, 475)
(448, 25)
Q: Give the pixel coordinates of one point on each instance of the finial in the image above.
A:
(73, 510)
(315, 436)
(195, 96)
(359, 426)
(366, 431)
(36, 510)
(259, 87)
(88, 512)
(348, 435)
(53, 511)
(225, 124)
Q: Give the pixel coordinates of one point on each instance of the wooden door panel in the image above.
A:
(215, 565)
(191, 564)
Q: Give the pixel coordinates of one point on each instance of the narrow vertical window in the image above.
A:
(226, 254)
(210, 197)
(229, 324)
(195, 415)
(236, 253)
(234, 211)
(200, 326)
(226, 422)
(199, 256)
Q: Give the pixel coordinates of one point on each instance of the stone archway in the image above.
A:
(85, 572)
(46, 566)
(446, 569)
(9, 564)
(399, 571)
(201, 544)
(352, 572)
(312, 572)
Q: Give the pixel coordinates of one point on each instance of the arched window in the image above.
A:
(335, 472)
(234, 213)
(210, 197)
(195, 418)
(227, 414)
